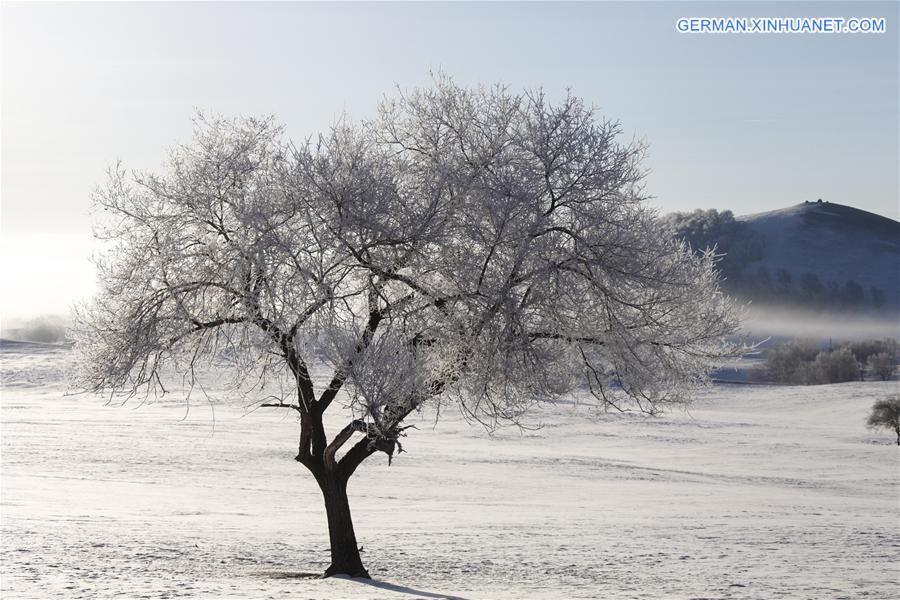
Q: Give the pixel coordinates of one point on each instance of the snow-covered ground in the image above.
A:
(757, 492)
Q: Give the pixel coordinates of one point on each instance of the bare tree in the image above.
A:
(468, 245)
(886, 415)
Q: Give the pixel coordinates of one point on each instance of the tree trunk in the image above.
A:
(345, 558)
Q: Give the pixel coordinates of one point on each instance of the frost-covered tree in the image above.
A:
(886, 415)
(784, 362)
(474, 246)
(882, 364)
(836, 366)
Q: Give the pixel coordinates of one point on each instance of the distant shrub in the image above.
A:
(882, 365)
(864, 349)
(807, 373)
(837, 366)
(801, 362)
(886, 415)
(784, 361)
(45, 330)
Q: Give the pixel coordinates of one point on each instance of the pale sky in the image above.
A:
(741, 122)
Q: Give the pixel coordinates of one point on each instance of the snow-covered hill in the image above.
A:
(836, 243)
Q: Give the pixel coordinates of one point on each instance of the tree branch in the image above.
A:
(340, 375)
(282, 405)
(544, 335)
(340, 439)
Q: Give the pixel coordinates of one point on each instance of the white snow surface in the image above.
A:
(756, 492)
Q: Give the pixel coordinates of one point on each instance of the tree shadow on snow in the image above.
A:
(288, 575)
(402, 589)
(391, 587)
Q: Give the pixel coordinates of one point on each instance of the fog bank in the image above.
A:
(779, 322)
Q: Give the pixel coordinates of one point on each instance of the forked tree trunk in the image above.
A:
(345, 559)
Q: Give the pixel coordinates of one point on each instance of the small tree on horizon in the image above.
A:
(886, 415)
(471, 245)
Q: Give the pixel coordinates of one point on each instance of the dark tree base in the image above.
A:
(357, 572)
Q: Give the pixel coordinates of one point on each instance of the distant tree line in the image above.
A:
(739, 247)
(801, 362)
(782, 287)
(737, 244)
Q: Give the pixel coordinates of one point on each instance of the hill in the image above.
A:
(813, 254)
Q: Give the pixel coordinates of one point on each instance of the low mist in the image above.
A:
(780, 322)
